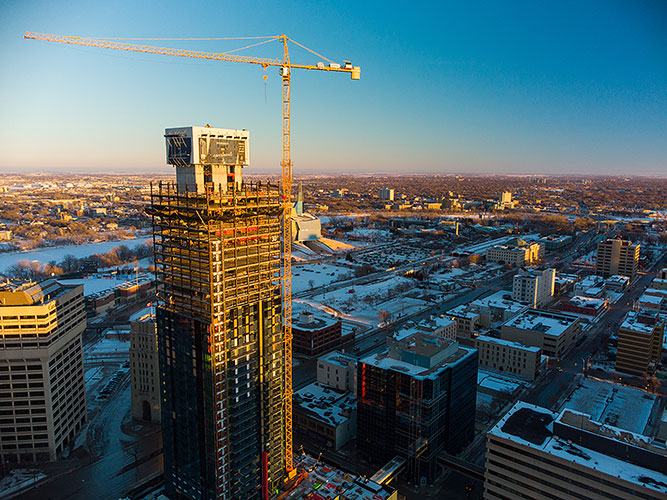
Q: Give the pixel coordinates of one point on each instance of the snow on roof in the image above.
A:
(618, 278)
(533, 426)
(581, 301)
(498, 300)
(639, 321)
(506, 343)
(463, 311)
(651, 299)
(553, 324)
(326, 404)
(608, 403)
(338, 358)
(387, 359)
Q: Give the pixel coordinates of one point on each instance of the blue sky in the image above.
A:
(491, 87)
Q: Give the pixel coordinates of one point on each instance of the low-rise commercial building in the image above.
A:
(554, 333)
(315, 334)
(496, 309)
(533, 453)
(42, 389)
(467, 320)
(640, 340)
(589, 306)
(338, 370)
(325, 415)
(556, 241)
(511, 357)
(617, 283)
(516, 252)
(144, 369)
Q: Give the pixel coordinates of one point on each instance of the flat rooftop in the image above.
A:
(463, 311)
(326, 404)
(31, 293)
(534, 427)
(506, 343)
(547, 323)
(640, 321)
(449, 353)
(338, 358)
(500, 300)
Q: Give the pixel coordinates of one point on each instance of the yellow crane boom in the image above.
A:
(286, 74)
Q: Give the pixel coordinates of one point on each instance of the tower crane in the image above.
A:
(286, 67)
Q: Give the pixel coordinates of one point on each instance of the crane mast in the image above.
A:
(286, 73)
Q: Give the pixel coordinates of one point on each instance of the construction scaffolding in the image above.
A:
(218, 266)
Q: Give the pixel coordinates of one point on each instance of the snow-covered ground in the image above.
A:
(109, 349)
(613, 404)
(315, 275)
(46, 255)
(363, 303)
(18, 479)
(93, 285)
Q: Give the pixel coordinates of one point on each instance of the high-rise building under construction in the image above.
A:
(219, 320)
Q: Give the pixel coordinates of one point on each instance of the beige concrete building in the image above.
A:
(533, 453)
(516, 252)
(534, 287)
(42, 389)
(338, 370)
(640, 342)
(617, 257)
(506, 356)
(144, 369)
(554, 333)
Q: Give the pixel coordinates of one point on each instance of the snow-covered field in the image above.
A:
(613, 404)
(315, 275)
(363, 303)
(46, 255)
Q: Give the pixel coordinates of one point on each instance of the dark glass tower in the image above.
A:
(415, 400)
(219, 321)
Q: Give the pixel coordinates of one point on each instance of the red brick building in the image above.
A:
(317, 334)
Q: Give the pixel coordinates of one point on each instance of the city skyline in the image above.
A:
(556, 89)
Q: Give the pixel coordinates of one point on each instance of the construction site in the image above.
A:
(224, 312)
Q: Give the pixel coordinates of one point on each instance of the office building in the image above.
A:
(42, 389)
(219, 320)
(515, 252)
(534, 287)
(415, 400)
(386, 194)
(640, 342)
(145, 370)
(617, 257)
(554, 333)
(510, 357)
(533, 453)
